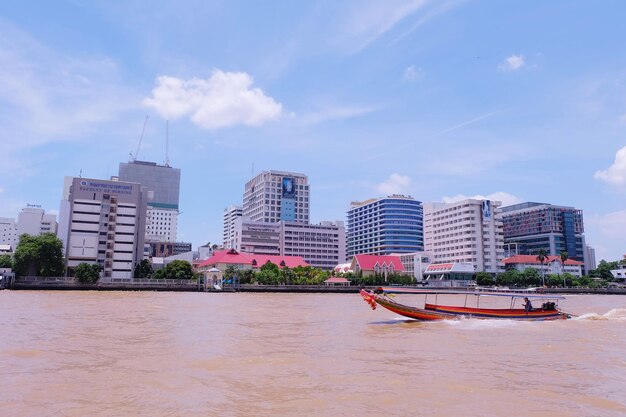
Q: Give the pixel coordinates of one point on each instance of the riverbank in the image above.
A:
(191, 286)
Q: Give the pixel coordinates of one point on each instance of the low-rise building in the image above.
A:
(451, 274)
(415, 263)
(239, 260)
(551, 265)
(376, 264)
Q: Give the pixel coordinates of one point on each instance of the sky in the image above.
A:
(441, 100)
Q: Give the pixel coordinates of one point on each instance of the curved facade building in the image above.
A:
(384, 226)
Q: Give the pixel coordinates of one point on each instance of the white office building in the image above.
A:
(321, 245)
(105, 225)
(163, 185)
(8, 232)
(256, 237)
(465, 231)
(272, 196)
(34, 221)
(231, 214)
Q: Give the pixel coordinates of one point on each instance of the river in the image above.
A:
(73, 353)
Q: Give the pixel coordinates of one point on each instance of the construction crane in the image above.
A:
(134, 157)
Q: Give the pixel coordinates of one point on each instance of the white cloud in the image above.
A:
(396, 184)
(369, 21)
(224, 99)
(506, 198)
(47, 96)
(616, 173)
(413, 74)
(622, 118)
(512, 63)
(605, 233)
(335, 113)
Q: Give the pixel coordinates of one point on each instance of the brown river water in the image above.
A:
(196, 354)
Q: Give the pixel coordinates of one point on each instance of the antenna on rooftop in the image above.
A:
(143, 129)
(167, 141)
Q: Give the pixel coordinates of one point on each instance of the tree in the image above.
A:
(87, 273)
(179, 269)
(542, 256)
(269, 274)
(604, 270)
(39, 255)
(6, 261)
(564, 256)
(143, 269)
(484, 279)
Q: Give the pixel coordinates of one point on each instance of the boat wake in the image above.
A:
(617, 314)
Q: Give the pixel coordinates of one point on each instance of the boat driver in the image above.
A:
(527, 305)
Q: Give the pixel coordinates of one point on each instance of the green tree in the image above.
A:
(269, 274)
(564, 257)
(530, 277)
(143, 269)
(542, 257)
(179, 269)
(39, 255)
(603, 270)
(6, 261)
(87, 273)
(230, 272)
(484, 279)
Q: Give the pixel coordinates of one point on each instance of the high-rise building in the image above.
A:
(163, 185)
(591, 258)
(383, 226)
(34, 221)
(8, 232)
(231, 214)
(465, 231)
(105, 225)
(272, 196)
(529, 227)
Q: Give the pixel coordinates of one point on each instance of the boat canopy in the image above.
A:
(403, 290)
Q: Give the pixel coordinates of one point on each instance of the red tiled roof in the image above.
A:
(367, 262)
(281, 261)
(439, 267)
(337, 280)
(233, 257)
(532, 259)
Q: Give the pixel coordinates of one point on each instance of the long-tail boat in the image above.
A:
(546, 305)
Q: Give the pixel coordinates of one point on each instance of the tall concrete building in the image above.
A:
(465, 231)
(163, 185)
(382, 226)
(105, 225)
(34, 221)
(256, 237)
(231, 214)
(8, 232)
(272, 196)
(531, 226)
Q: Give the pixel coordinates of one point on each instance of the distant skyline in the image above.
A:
(440, 100)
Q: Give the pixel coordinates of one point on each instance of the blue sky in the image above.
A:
(519, 101)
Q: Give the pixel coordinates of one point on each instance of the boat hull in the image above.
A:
(435, 312)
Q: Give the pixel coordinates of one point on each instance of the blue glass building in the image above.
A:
(529, 227)
(384, 226)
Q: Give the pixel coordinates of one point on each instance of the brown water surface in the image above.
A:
(194, 354)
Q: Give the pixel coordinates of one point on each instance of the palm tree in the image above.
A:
(542, 256)
(564, 257)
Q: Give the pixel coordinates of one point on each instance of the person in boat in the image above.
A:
(527, 305)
